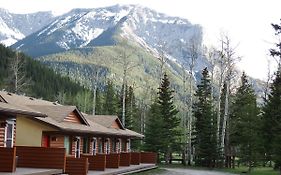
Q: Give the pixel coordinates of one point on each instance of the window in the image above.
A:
(118, 145)
(100, 146)
(67, 145)
(128, 145)
(94, 146)
(107, 148)
(114, 144)
(77, 147)
(86, 145)
(9, 136)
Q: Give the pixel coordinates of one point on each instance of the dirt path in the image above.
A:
(181, 171)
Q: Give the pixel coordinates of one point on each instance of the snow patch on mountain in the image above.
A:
(14, 27)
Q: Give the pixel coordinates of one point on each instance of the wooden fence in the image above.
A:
(125, 159)
(39, 157)
(112, 160)
(135, 158)
(148, 157)
(7, 159)
(96, 162)
(76, 166)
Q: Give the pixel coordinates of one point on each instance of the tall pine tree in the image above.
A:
(245, 124)
(110, 100)
(168, 113)
(272, 111)
(162, 129)
(205, 124)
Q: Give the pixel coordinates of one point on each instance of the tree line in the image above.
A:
(224, 126)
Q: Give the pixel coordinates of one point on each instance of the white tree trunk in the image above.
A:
(225, 116)
(124, 97)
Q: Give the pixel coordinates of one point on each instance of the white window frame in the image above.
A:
(94, 146)
(77, 150)
(128, 145)
(9, 122)
(118, 146)
(107, 146)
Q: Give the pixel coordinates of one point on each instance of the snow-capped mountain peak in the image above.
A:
(14, 27)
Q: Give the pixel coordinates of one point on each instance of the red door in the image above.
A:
(46, 141)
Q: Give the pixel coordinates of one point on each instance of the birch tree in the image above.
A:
(125, 54)
(228, 60)
(194, 50)
(97, 70)
(18, 76)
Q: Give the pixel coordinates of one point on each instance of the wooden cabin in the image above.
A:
(9, 117)
(66, 127)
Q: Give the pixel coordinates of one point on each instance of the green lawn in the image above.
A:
(240, 170)
(255, 171)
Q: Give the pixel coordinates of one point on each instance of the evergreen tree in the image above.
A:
(154, 130)
(205, 124)
(162, 129)
(99, 102)
(168, 113)
(110, 101)
(130, 107)
(245, 123)
(272, 120)
(272, 111)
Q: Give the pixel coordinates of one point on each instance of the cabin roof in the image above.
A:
(106, 120)
(58, 113)
(12, 98)
(23, 110)
(55, 114)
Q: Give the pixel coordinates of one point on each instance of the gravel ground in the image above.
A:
(181, 171)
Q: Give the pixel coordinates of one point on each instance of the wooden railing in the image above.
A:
(7, 159)
(135, 158)
(112, 160)
(148, 157)
(76, 166)
(125, 159)
(39, 157)
(96, 162)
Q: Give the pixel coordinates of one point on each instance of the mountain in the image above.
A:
(14, 27)
(99, 27)
(80, 42)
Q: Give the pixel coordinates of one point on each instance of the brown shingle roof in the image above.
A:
(23, 110)
(56, 113)
(105, 120)
(24, 100)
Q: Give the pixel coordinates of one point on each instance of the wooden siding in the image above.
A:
(73, 117)
(2, 134)
(56, 141)
(112, 160)
(15, 127)
(96, 162)
(76, 166)
(125, 159)
(8, 159)
(116, 125)
(148, 157)
(135, 158)
(39, 157)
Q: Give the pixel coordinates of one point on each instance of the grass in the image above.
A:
(255, 171)
(241, 170)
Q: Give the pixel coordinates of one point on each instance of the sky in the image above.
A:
(246, 22)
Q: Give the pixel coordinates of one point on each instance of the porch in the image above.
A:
(39, 161)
